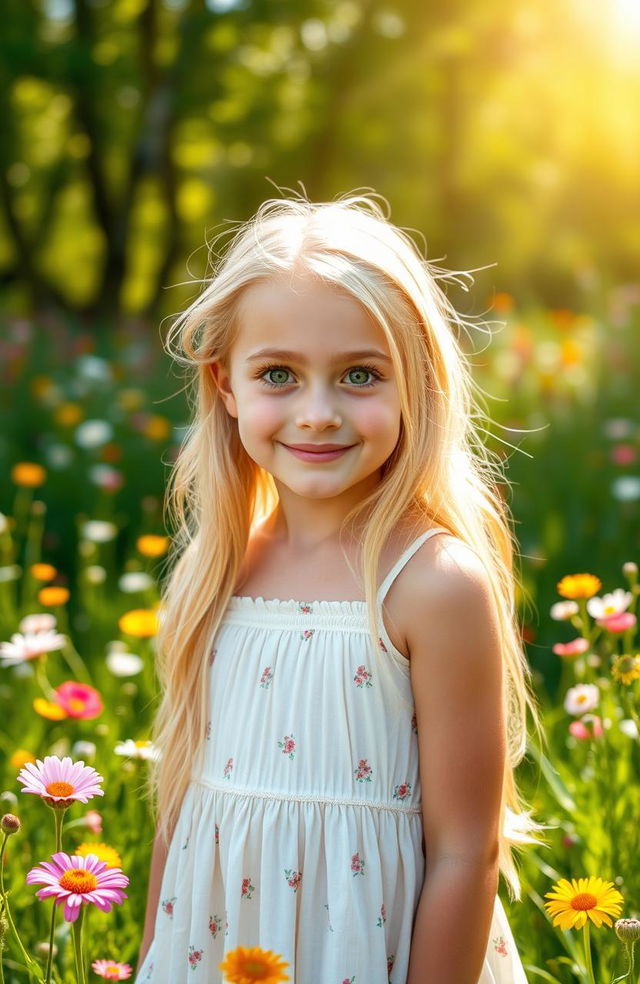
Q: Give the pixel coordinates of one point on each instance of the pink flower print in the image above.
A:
(215, 925)
(288, 746)
(414, 724)
(306, 635)
(306, 609)
(500, 946)
(212, 656)
(382, 917)
(382, 646)
(228, 767)
(401, 791)
(363, 771)
(390, 961)
(247, 888)
(328, 918)
(217, 834)
(267, 677)
(167, 906)
(195, 956)
(357, 864)
(349, 980)
(293, 878)
(363, 677)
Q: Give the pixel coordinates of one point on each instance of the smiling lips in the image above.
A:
(317, 452)
(318, 448)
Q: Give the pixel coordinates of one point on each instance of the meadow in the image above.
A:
(89, 426)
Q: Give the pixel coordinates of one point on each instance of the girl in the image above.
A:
(345, 691)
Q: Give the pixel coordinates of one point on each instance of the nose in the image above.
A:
(318, 410)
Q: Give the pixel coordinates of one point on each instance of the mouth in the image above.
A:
(319, 452)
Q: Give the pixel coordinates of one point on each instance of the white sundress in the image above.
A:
(303, 832)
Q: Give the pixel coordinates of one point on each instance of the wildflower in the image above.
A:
(95, 574)
(123, 664)
(98, 531)
(562, 611)
(84, 749)
(68, 414)
(132, 581)
(629, 569)
(106, 477)
(48, 709)
(581, 698)
(61, 782)
(579, 585)
(10, 823)
(247, 964)
(572, 903)
(627, 930)
(38, 622)
(30, 646)
(626, 668)
(52, 596)
(102, 851)
(74, 881)
(150, 545)
(111, 971)
(629, 728)
(618, 623)
(140, 622)
(626, 488)
(43, 572)
(610, 604)
(93, 433)
(574, 648)
(28, 474)
(42, 949)
(136, 749)
(79, 700)
(581, 731)
(93, 821)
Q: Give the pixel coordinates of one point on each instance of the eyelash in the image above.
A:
(264, 369)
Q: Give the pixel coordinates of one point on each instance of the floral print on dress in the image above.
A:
(194, 958)
(363, 771)
(288, 746)
(414, 724)
(305, 608)
(500, 946)
(228, 767)
(390, 962)
(357, 864)
(306, 635)
(212, 656)
(267, 677)
(329, 918)
(382, 646)
(401, 791)
(246, 888)
(363, 677)
(293, 878)
(349, 980)
(208, 730)
(167, 906)
(382, 918)
(216, 924)
(186, 843)
(217, 833)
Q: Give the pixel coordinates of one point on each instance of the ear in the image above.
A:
(222, 381)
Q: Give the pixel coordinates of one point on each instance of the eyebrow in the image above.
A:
(289, 356)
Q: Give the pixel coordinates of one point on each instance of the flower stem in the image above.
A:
(587, 954)
(59, 817)
(77, 948)
(31, 965)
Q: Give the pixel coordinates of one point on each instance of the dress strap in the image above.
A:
(404, 558)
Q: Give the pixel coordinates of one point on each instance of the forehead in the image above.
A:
(306, 315)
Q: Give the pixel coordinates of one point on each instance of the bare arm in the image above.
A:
(456, 677)
(156, 871)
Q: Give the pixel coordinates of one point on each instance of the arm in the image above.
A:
(158, 860)
(456, 676)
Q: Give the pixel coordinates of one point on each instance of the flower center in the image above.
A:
(584, 901)
(254, 967)
(60, 789)
(77, 704)
(113, 971)
(78, 880)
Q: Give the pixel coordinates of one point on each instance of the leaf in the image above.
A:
(554, 781)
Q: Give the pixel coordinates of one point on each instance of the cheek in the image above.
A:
(259, 416)
(379, 419)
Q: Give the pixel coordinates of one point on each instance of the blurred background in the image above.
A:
(505, 135)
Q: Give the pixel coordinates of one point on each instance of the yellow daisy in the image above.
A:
(579, 586)
(244, 965)
(102, 851)
(626, 668)
(572, 903)
(151, 545)
(20, 758)
(139, 622)
(49, 710)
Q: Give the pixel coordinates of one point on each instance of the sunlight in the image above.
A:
(627, 15)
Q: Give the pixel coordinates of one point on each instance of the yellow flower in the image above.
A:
(102, 851)
(68, 414)
(157, 428)
(43, 572)
(572, 903)
(20, 758)
(152, 546)
(579, 585)
(28, 474)
(46, 709)
(140, 622)
(244, 965)
(49, 597)
(626, 668)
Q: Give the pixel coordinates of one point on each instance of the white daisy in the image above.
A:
(123, 664)
(136, 749)
(98, 530)
(38, 622)
(563, 610)
(610, 604)
(581, 698)
(29, 646)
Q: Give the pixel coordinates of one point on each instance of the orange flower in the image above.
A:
(157, 428)
(140, 622)
(28, 474)
(503, 302)
(43, 572)
(52, 596)
(151, 545)
(20, 758)
(579, 585)
(244, 965)
(46, 709)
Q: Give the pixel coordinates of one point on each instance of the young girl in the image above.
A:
(344, 686)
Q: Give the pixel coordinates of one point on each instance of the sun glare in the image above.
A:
(627, 14)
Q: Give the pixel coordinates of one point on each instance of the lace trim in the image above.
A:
(293, 798)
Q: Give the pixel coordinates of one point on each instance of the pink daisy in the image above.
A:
(60, 782)
(79, 700)
(73, 881)
(111, 970)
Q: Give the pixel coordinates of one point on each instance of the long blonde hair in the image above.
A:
(440, 467)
